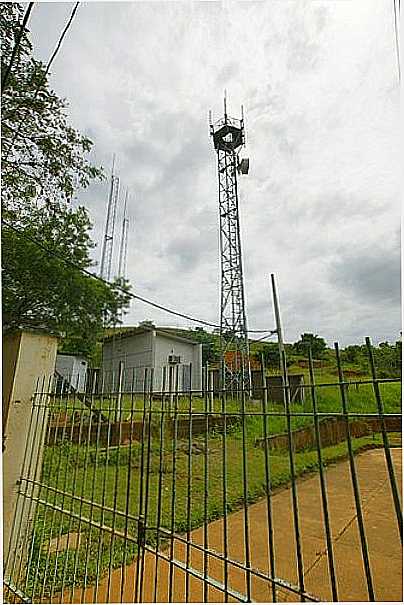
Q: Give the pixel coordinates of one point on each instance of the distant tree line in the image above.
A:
(387, 356)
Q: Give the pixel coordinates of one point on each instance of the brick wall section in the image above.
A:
(332, 431)
(109, 434)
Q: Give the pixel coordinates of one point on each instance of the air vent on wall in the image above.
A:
(174, 359)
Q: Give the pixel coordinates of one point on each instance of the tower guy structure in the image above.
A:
(108, 242)
(228, 138)
(123, 249)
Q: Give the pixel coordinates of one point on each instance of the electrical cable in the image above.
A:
(396, 37)
(66, 261)
(269, 335)
(116, 286)
(45, 73)
(16, 47)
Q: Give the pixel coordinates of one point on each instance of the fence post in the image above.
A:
(27, 356)
(118, 410)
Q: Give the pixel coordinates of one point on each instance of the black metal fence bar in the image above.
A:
(389, 462)
(120, 500)
(271, 546)
(296, 522)
(355, 485)
(323, 486)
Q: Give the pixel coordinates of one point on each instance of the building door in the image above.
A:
(186, 378)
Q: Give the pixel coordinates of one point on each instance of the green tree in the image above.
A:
(271, 355)
(210, 344)
(307, 340)
(44, 162)
(41, 291)
(43, 157)
(388, 359)
(353, 354)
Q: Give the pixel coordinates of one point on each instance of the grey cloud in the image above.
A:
(187, 252)
(372, 275)
(321, 116)
(228, 72)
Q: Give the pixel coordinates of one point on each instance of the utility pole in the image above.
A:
(277, 318)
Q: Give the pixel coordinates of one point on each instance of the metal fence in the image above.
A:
(175, 496)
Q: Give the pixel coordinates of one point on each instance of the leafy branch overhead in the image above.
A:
(44, 163)
(43, 157)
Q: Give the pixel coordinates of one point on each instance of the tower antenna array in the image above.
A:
(228, 138)
(108, 243)
(123, 249)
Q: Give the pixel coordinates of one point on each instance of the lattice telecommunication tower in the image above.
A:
(108, 243)
(228, 139)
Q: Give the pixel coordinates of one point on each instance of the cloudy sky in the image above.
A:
(320, 207)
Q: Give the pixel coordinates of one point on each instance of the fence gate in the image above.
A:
(179, 496)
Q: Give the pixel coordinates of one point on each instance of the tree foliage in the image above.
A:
(387, 358)
(271, 355)
(44, 162)
(317, 344)
(210, 344)
(43, 157)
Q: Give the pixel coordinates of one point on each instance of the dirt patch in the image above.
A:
(69, 541)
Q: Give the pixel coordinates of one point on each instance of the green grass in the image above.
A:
(103, 475)
(360, 398)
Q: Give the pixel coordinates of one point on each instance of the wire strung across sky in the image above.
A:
(396, 36)
(42, 80)
(69, 263)
(52, 253)
(7, 71)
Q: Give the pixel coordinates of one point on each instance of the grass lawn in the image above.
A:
(114, 477)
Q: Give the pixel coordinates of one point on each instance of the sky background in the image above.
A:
(320, 207)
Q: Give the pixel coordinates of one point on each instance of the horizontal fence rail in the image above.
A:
(132, 493)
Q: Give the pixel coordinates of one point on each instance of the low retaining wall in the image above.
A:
(104, 434)
(215, 422)
(332, 431)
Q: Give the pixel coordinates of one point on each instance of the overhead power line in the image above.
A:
(7, 71)
(116, 286)
(396, 37)
(42, 81)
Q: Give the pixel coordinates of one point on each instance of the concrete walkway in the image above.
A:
(381, 531)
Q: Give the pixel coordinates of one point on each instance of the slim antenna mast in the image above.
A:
(123, 249)
(108, 243)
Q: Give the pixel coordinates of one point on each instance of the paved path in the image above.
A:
(381, 532)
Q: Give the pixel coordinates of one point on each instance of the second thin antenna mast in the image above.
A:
(108, 242)
(123, 249)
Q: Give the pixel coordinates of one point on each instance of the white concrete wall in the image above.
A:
(74, 369)
(136, 353)
(30, 367)
(145, 351)
(189, 353)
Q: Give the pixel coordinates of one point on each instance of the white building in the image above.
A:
(147, 350)
(73, 369)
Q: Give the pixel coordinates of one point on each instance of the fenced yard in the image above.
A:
(124, 475)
